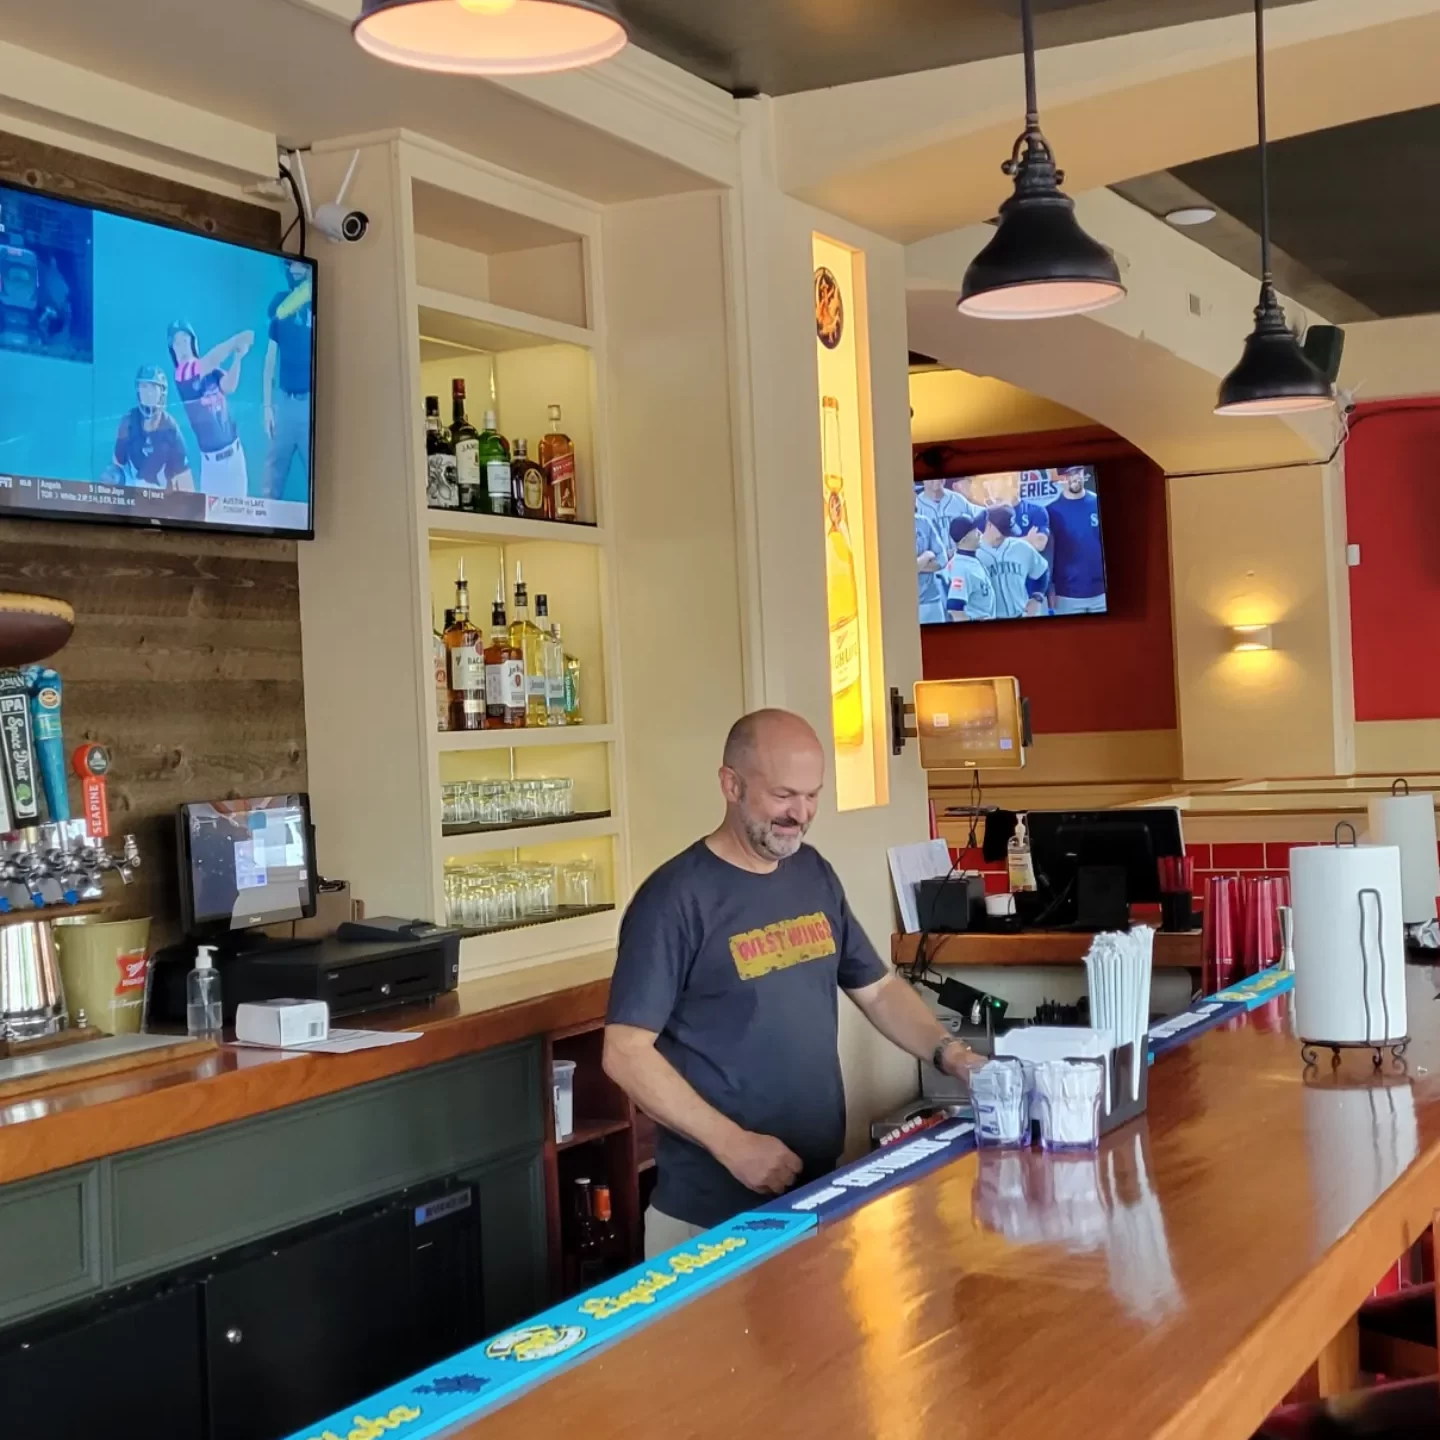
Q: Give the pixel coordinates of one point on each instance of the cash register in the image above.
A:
(247, 865)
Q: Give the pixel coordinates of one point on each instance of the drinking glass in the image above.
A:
(577, 883)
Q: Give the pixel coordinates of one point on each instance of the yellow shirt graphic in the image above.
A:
(781, 945)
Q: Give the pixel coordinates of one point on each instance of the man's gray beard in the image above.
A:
(765, 842)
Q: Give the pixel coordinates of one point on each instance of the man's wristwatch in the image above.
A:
(940, 1050)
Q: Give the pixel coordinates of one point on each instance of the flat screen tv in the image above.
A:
(151, 375)
(1014, 545)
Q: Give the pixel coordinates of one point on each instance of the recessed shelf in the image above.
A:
(542, 832)
(586, 1131)
(523, 739)
(480, 325)
(502, 826)
(565, 912)
(464, 527)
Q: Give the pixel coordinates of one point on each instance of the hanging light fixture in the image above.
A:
(491, 37)
(1039, 263)
(1274, 376)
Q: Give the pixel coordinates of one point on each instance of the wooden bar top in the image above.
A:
(1176, 951)
(76, 1123)
(1175, 1285)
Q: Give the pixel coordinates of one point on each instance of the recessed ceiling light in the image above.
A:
(1190, 215)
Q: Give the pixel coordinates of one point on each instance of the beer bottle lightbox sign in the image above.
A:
(852, 598)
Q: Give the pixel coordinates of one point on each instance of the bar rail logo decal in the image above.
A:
(496, 1370)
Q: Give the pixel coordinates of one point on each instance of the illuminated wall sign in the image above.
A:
(852, 594)
(498, 1369)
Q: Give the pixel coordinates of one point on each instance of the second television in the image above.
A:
(1009, 545)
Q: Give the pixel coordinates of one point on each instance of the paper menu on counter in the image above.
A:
(909, 865)
(342, 1042)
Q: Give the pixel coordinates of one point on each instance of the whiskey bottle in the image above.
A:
(467, 664)
(557, 459)
(525, 637)
(842, 593)
(527, 485)
(504, 672)
(440, 488)
(495, 467)
(466, 439)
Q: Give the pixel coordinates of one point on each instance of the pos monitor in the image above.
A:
(245, 863)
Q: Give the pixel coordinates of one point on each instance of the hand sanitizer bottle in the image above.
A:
(1018, 861)
(204, 1014)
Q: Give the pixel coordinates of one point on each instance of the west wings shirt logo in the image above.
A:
(781, 945)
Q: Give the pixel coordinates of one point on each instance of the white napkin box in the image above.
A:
(282, 1022)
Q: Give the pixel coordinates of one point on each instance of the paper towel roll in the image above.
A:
(1408, 821)
(1349, 944)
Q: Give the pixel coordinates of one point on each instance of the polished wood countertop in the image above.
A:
(76, 1123)
(1175, 1285)
(1174, 951)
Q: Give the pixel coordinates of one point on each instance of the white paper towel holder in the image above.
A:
(1396, 1045)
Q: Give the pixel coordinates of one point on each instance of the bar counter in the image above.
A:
(80, 1122)
(1177, 1285)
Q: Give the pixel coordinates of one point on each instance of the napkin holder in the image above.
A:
(1123, 1109)
(1062, 1042)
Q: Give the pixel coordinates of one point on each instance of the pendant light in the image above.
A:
(1039, 263)
(491, 37)
(1274, 376)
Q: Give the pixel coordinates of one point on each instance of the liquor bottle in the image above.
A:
(527, 485)
(469, 481)
(495, 468)
(467, 663)
(557, 458)
(442, 674)
(504, 672)
(554, 666)
(441, 491)
(847, 704)
(589, 1255)
(572, 685)
(607, 1234)
(525, 637)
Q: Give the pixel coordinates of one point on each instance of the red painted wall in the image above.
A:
(1392, 503)
(1085, 672)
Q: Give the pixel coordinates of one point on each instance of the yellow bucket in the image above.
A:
(103, 964)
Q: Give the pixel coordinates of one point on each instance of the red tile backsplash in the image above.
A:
(1237, 857)
(1200, 854)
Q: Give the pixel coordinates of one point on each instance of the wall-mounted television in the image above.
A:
(1012, 545)
(150, 375)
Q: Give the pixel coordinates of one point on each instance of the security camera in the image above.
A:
(333, 220)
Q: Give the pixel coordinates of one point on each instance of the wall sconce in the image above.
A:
(1252, 637)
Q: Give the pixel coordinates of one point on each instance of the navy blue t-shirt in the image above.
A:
(739, 975)
(1077, 563)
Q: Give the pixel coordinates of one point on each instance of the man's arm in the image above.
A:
(759, 1162)
(904, 1019)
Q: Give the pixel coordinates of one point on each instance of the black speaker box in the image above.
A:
(1324, 345)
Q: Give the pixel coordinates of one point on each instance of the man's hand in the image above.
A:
(957, 1059)
(761, 1162)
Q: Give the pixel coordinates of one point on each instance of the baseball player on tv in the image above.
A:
(1077, 561)
(1032, 525)
(1017, 570)
(149, 449)
(970, 595)
(205, 382)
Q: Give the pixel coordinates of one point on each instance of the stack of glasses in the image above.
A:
(479, 896)
(506, 802)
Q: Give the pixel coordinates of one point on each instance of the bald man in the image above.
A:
(724, 1005)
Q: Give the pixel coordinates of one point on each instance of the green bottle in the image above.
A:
(495, 468)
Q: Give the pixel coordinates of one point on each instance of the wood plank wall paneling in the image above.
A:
(185, 662)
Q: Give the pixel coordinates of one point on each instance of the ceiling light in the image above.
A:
(1039, 263)
(1274, 376)
(1185, 215)
(491, 37)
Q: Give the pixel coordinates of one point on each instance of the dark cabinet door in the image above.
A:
(295, 1333)
(127, 1372)
(513, 1238)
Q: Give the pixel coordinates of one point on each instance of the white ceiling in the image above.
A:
(283, 67)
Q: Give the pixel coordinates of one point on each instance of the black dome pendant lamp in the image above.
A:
(1274, 376)
(1039, 263)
